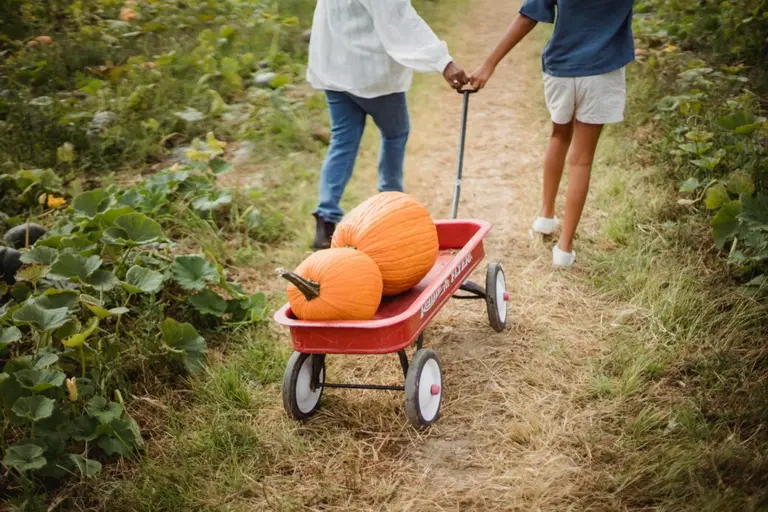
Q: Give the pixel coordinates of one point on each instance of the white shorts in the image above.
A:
(596, 99)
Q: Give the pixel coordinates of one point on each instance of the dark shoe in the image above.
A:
(323, 233)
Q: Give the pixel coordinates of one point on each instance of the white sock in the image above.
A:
(544, 225)
(562, 259)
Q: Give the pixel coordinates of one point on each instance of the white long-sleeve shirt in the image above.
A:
(370, 48)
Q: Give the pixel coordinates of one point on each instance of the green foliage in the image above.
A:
(94, 306)
(193, 272)
(142, 280)
(25, 457)
(9, 335)
(23, 189)
(731, 31)
(184, 341)
(96, 85)
(712, 127)
(39, 317)
(209, 302)
(34, 408)
(133, 229)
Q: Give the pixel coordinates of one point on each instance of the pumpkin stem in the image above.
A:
(310, 289)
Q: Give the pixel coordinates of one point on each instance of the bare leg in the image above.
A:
(580, 158)
(554, 161)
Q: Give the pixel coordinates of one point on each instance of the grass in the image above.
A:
(683, 382)
(203, 439)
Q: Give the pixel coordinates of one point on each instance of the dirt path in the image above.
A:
(512, 432)
(509, 439)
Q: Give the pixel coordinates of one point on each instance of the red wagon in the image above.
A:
(399, 323)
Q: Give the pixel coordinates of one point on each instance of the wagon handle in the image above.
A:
(462, 140)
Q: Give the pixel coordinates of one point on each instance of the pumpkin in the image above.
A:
(10, 263)
(397, 232)
(19, 236)
(334, 284)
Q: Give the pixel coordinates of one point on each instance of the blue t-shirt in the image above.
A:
(591, 37)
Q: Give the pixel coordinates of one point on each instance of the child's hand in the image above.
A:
(481, 76)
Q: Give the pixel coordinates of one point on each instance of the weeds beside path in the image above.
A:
(535, 418)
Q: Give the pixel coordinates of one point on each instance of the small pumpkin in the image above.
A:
(334, 284)
(10, 263)
(397, 232)
(24, 235)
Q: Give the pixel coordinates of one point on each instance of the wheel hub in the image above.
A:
(429, 390)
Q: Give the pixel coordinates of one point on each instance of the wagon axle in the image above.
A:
(318, 373)
(476, 291)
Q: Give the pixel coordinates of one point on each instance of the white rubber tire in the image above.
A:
(496, 297)
(299, 400)
(423, 389)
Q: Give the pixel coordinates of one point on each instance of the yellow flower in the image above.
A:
(56, 202)
(670, 48)
(72, 389)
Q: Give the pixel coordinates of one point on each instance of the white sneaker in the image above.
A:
(545, 226)
(562, 259)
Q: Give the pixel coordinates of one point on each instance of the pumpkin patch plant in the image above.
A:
(91, 304)
(334, 284)
(397, 232)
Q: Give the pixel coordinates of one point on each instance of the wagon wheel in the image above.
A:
(496, 297)
(423, 389)
(299, 399)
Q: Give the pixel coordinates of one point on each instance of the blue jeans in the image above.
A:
(348, 114)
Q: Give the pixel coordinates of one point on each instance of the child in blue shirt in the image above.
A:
(584, 87)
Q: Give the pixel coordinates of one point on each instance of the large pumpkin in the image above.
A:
(397, 232)
(334, 284)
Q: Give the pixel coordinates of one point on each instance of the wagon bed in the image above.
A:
(400, 319)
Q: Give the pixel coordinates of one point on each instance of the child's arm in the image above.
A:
(519, 28)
